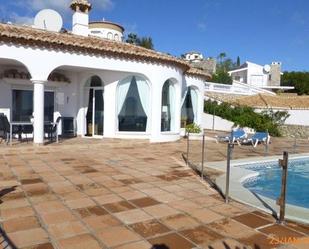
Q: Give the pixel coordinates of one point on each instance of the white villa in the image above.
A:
(101, 86)
(266, 77)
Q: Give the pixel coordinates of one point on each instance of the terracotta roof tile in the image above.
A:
(66, 41)
(270, 101)
(198, 72)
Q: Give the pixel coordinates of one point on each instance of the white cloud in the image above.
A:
(202, 26)
(14, 17)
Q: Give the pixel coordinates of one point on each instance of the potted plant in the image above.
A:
(194, 130)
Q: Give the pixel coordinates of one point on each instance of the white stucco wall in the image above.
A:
(79, 67)
(209, 121)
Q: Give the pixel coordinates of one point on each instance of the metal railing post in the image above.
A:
(188, 145)
(203, 152)
(281, 201)
(230, 147)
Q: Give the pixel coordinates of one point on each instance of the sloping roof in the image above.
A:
(25, 35)
(197, 72)
(270, 101)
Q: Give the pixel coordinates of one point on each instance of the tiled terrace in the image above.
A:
(87, 194)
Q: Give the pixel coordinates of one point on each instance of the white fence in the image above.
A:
(236, 88)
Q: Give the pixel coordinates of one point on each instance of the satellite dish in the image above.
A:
(266, 68)
(48, 19)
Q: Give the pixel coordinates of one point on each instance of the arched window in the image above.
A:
(133, 104)
(189, 108)
(116, 37)
(168, 107)
(109, 35)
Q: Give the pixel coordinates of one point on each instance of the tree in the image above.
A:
(238, 61)
(222, 77)
(132, 39)
(145, 42)
(300, 81)
(221, 56)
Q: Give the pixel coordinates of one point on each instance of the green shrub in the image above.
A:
(193, 128)
(246, 116)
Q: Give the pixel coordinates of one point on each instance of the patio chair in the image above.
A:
(27, 129)
(54, 130)
(258, 137)
(6, 128)
(235, 136)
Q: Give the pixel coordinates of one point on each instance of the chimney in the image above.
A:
(80, 25)
(274, 78)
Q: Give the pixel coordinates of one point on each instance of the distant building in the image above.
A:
(197, 60)
(268, 76)
(104, 29)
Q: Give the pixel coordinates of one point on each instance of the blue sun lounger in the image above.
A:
(235, 136)
(258, 137)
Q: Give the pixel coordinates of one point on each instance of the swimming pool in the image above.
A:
(268, 180)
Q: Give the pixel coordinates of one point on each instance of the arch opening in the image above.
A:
(94, 100)
(168, 108)
(189, 107)
(133, 104)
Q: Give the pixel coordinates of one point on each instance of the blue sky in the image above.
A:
(260, 31)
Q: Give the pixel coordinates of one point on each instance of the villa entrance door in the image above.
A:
(95, 114)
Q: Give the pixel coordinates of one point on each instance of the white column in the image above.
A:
(38, 111)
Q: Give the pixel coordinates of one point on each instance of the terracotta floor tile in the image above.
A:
(101, 222)
(179, 222)
(207, 201)
(133, 216)
(57, 217)
(68, 229)
(149, 228)
(230, 228)
(28, 237)
(19, 224)
(41, 246)
(298, 227)
(227, 210)
(109, 198)
(280, 231)
(167, 198)
(205, 215)
(161, 210)
(118, 206)
(171, 241)
(36, 189)
(135, 245)
(96, 211)
(16, 213)
(201, 235)
(144, 202)
(251, 220)
(50, 206)
(228, 243)
(79, 242)
(114, 236)
(36, 199)
(260, 240)
(184, 205)
(11, 204)
(129, 195)
(80, 203)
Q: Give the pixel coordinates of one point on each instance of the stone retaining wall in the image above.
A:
(299, 131)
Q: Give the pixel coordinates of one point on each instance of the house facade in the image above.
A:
(268, 76)
(109, 88)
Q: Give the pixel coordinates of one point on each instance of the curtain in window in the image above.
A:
(143, 91)
(123, 89)
(133, 104)
(194, 99)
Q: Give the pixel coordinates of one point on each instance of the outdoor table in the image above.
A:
(19, 123)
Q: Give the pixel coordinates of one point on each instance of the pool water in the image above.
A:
(268, 182)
